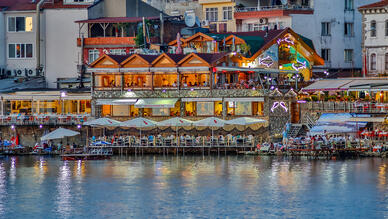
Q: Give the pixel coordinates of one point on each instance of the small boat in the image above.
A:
(90, 154)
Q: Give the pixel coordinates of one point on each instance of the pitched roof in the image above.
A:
(379, 4)
(211, 57)
(176, 57)
(28, 5)
(148, 58)
(119, 58)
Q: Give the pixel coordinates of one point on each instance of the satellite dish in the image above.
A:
(284, 2)
(190, 19)
(197, 21)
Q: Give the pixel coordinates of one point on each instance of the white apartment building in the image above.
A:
(333, 25)
(59, 55)
(375, 38)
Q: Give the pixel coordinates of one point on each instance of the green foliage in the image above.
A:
(245, 48)
(139, 39)
(314, 98)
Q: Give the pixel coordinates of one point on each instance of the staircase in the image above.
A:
(308, 121)
(294, 130)
(297, 129)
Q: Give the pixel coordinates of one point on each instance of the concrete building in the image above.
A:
(58, 55)
(375, 38)
(334, 27)
(177, 7)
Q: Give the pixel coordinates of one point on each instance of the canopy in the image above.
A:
(328, 85)
(156, 103)
(139, 123)
(176, 121)
(59, 133)
(103, 122)
(97, 143)
(210, 122)
(116, 101)
(366, 119)
(245, 121)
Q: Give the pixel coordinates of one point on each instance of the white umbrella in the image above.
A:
(59, 133)
(140, 123)
(245, 121)
(176, 122)
(210, 122)
(103, 122)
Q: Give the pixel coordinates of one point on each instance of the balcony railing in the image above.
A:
(43, 119)
(107, 41)
(273, 7)
(346, 107)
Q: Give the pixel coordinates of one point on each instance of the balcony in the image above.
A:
(43, 119)
(122, 41)
(346, 107)
(270, 11)
(213, 1)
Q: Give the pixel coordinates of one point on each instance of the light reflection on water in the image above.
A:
(191, 187)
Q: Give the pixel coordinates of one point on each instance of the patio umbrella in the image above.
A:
(139, 123)
(59, 133)
(102, 122)
(245, 121)
(176, 122)
(210, 122)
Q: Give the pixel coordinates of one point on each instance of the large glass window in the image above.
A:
(49, 106)
(205, 108)
(195, 80)
(373, 62)
(165, 80)
(21, 106)
(140, 80)
(108, 81)
(120, 110)
(19, 51)
(19, 24)
(373, 30)
(212, 14)
(161, 112)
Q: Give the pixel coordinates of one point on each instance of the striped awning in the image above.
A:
(156, 103)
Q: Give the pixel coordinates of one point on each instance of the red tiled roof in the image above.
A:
(379, 4)
(116, 20)
(28, 5)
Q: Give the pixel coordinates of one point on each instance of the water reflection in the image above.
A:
(192, 187)
(64, 195)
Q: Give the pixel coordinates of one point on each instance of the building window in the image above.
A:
(19, 24)
(19, 51)
(212, 14)
(373, 28)
(348, 55)
(349, 29)
(117, 52)
(349, 5)
(386, 28)
(386, 61)
(373, 62)
(325, 53)
(325, 31)
(227, 13)
(205, 108)
(93, 55)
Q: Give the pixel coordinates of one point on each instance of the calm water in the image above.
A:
(193, 187)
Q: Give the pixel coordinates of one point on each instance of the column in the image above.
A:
(78, 106)
(224, 109)
(182, 108)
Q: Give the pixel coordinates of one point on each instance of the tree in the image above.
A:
(139, 39)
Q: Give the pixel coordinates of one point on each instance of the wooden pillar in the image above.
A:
(78, 106)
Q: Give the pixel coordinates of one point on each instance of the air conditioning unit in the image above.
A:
(205, 23)
(18, 72)
(263, 21)
(30, 72)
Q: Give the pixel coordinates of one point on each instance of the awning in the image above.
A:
(245, 99)
(194, 69)
(328, 85)
(116, 101)
(156, 103)
(367, 119)
(256, 70)
(204, 99)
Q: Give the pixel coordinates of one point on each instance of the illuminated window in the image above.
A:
(19, 51)
(19, 24)
(205, 108)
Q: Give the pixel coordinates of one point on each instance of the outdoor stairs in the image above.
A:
(294, 130)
